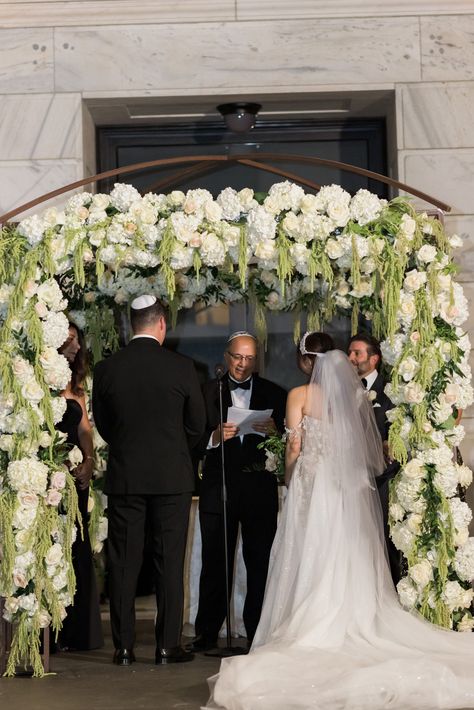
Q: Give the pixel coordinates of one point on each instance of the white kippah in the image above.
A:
(241, 334)
(142, 302)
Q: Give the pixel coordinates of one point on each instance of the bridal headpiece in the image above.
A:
(303, 350)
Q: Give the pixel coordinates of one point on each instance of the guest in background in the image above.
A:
(365, 354)
(82, 628)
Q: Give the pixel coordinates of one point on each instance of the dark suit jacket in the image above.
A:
(383, 425)
(245, 455)
(148, 407)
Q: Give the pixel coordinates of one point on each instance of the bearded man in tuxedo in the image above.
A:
(365, 354)
(148, 406)
(252, 494)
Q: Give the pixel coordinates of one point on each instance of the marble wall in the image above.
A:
(56, 56)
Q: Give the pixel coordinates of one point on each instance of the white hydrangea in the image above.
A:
(464, 475)
(58, 406)
(392, 349)
(461, 513)
(408, 491)
(182, 257)
(195, 200)
(123, 196)
(212, 249)
(456, 597)
(464, 561)
(466, 624)
(57, 372)
(300, 255)
(230, 203)
(284, 196)
(260, 225)
(365, 207)
(33, 229)
(55, 327)
(446, 479)
(402, 537)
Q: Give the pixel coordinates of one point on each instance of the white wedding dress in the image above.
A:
(332, 634)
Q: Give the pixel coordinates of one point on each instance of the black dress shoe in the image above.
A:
(176, 654)
(202, 643)
(124, 656)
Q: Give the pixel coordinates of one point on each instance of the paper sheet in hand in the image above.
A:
(245, 418)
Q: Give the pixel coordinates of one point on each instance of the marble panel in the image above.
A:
(26, 60)
(24, 180)
(37, 13)
(38, 126)
(249, 54)
(251, 10)
(444, 174)
(436, 115)
(447, 47)
(464, 257)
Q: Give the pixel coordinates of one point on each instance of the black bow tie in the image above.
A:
(233, 385)
(364, 382)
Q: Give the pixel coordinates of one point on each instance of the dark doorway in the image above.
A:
(359, 142)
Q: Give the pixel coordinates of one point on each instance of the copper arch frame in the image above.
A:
(205, 163)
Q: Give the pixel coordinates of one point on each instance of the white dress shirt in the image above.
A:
(370, 379)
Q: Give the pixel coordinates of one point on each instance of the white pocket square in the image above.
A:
(376, 404)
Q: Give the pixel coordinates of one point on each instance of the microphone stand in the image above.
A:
(228, 650)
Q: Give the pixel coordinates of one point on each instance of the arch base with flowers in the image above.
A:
(317, 255)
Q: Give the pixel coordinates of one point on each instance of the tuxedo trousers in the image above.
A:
(167, 517)
(252, 502)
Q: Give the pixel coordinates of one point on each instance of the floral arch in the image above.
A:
(316, 255)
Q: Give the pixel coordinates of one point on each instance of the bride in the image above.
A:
(332, 634)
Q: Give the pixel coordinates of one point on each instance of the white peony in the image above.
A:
(54, 555)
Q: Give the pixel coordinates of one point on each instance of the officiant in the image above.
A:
(252, 495)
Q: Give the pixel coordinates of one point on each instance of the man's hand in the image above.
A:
(265, 426)
(229, 431)
(83, 473)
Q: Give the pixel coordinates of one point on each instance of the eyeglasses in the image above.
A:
(241, 358)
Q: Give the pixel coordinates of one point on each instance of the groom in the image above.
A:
(365, 354)
(148, 407)
(252, 495)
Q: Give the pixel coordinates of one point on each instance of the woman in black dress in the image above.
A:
(81, 629)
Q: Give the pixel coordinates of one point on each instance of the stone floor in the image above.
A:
(89, 681)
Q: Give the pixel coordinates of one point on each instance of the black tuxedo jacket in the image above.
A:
(239, 456)
(148, 407)
(381, 405)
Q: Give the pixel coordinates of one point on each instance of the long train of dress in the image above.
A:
(333, 635)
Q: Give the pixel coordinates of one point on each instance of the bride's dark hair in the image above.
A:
(312, 343)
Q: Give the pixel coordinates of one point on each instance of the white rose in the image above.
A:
(44, 618)
(58, 480)
(213, 211)
(407, 226)
(22, 369)
(396, 512)
(75, 456)
(12, 604)
(464, 475)
(19, 578)
(53, 497)
(408, 368)
(427, 253)
(414, 280)
(54, 555)
(421, 573)
(414, 522)
(60, 580)
(27, 499)
(415, 468)
(334, 249)
(29, 603)
(413, 393)
(32, 391)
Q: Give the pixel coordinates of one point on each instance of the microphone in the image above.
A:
(219, 371)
